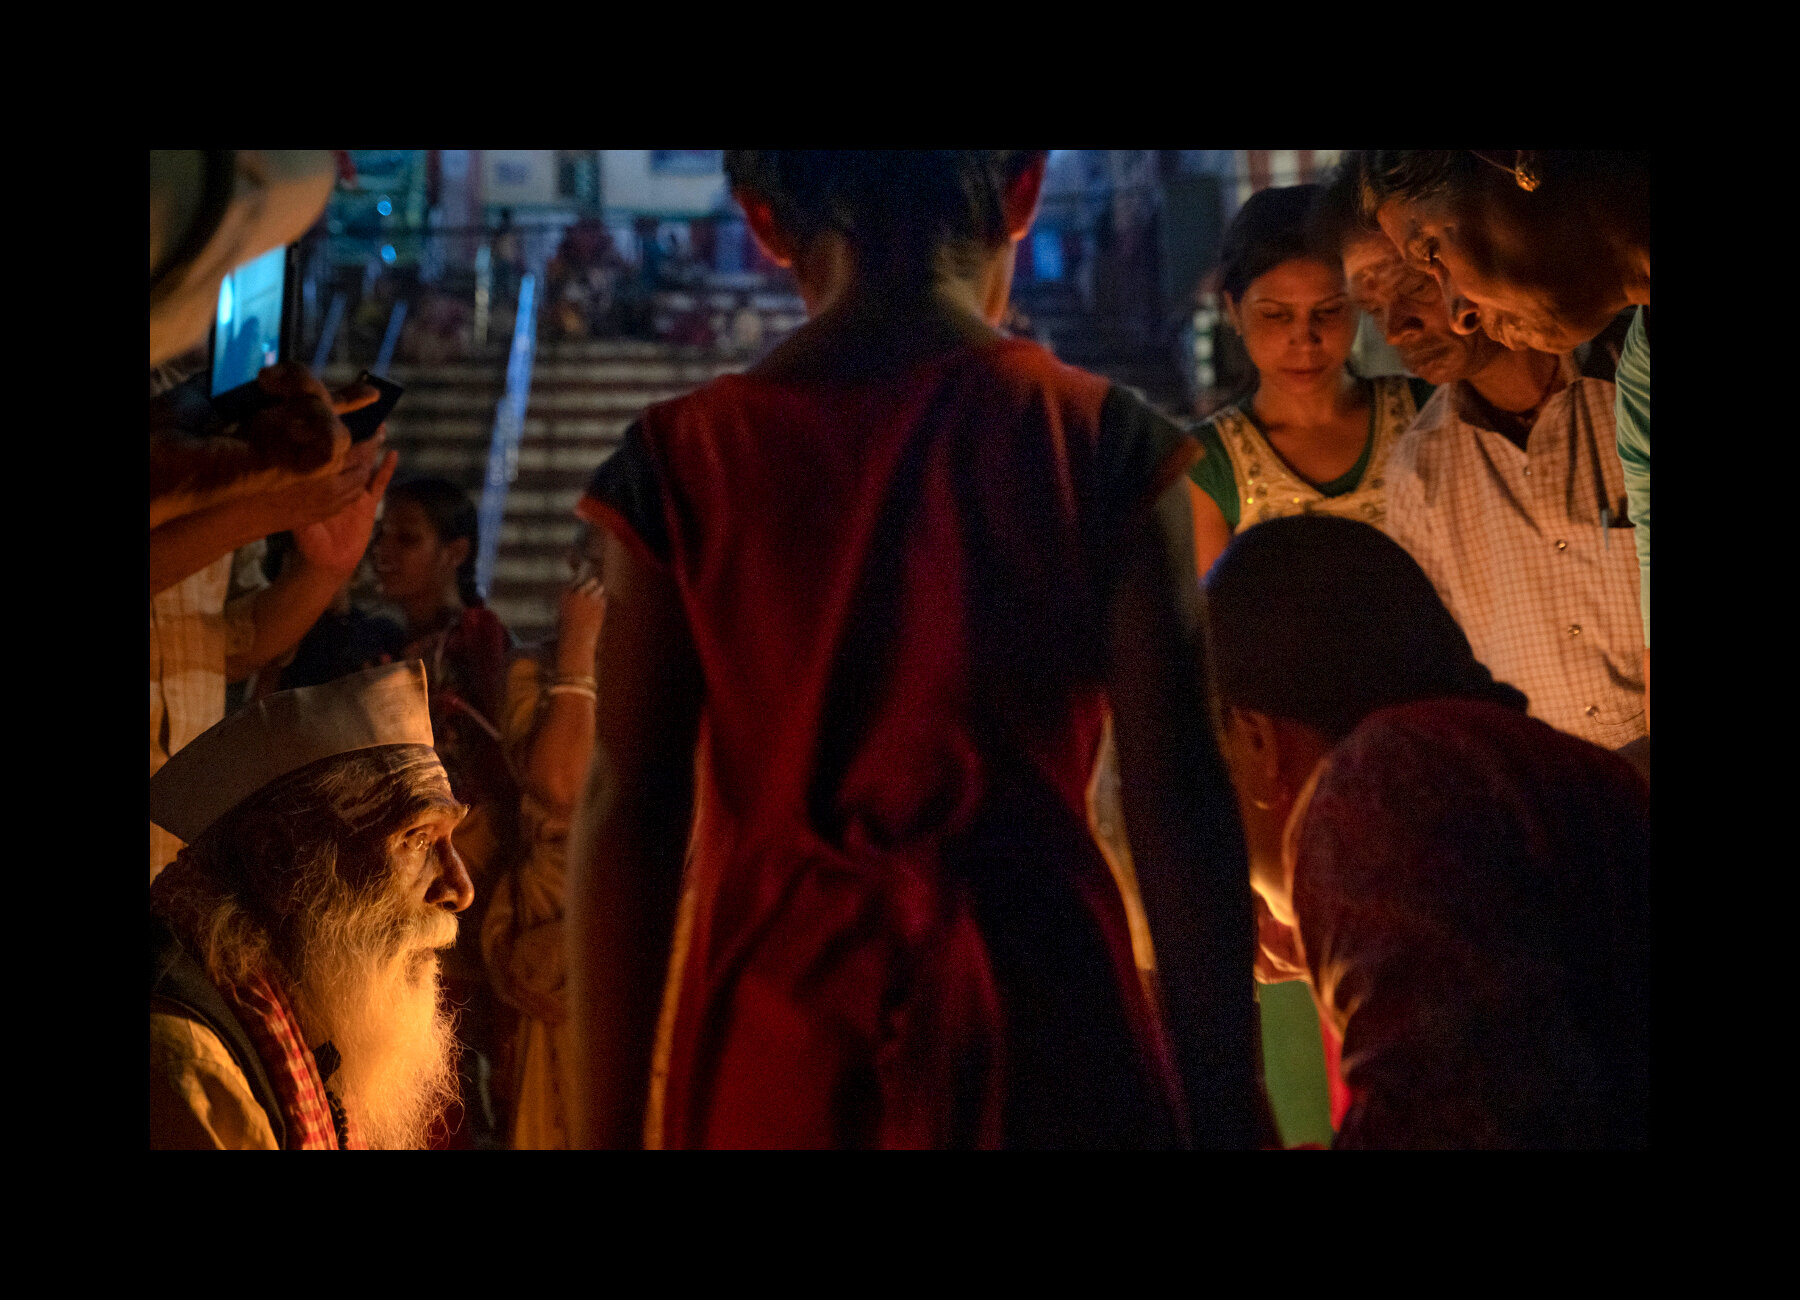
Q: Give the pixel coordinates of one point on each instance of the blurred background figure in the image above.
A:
(549, 733)
(582, 281)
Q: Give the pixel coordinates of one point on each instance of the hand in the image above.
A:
(303, 433)
(578, 627)
(1278, 957)
(305, 499)
(337, 543)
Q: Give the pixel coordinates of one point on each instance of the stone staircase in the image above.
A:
(583, 396)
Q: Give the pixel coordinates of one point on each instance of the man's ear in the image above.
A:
(1256, 752)
(769, 237)
(1021, 198)
(458, 552)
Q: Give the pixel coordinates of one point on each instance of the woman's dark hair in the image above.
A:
(1271, 228)
(1323, 621)
(897, 207)
(452, 515)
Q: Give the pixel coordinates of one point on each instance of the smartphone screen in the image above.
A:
(248, 326)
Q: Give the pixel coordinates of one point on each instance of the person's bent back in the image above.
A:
(1467, 888)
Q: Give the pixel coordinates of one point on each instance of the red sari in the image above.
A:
(904, 935)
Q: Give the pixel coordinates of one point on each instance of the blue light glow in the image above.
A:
(387, 254)
(226, 301)
(385, 208)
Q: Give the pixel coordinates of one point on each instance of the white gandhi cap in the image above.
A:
(282, 733)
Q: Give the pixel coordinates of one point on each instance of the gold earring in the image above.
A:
(1525, 170)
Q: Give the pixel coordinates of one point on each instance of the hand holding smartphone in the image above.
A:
(236, 406)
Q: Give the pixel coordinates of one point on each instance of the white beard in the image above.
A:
(371, 982)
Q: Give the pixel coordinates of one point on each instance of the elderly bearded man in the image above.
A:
(294, 942)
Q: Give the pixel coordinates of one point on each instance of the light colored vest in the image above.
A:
(1268, 489)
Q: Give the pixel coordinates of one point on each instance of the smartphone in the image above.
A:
(362, 424)
(244, 401)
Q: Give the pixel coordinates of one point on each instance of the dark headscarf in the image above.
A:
(1323, 621)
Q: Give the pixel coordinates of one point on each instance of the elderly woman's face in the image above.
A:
(1521, 288)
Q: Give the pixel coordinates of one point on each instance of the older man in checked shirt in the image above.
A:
(1508, 491)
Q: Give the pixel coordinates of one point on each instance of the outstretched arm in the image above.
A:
(1185, 836)
(328, 550)
(627, 844)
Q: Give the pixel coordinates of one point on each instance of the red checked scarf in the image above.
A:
(305, 1103)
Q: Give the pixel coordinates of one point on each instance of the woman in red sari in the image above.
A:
(868, 606)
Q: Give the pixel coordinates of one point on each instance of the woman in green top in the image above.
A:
(1312, 437)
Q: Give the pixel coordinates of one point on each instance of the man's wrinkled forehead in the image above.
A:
(1406, 225)
(428, 789)
(375, 786)
(432, 782)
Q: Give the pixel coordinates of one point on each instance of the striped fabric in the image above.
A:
(1527, 550)
(193, 628)
(194, 625)
(273, 1027)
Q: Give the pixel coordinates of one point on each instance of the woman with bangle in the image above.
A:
(549, 736)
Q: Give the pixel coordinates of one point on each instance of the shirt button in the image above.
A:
(1593, 710)
(1574, 629)
(1562, 546)
(1528, 471)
